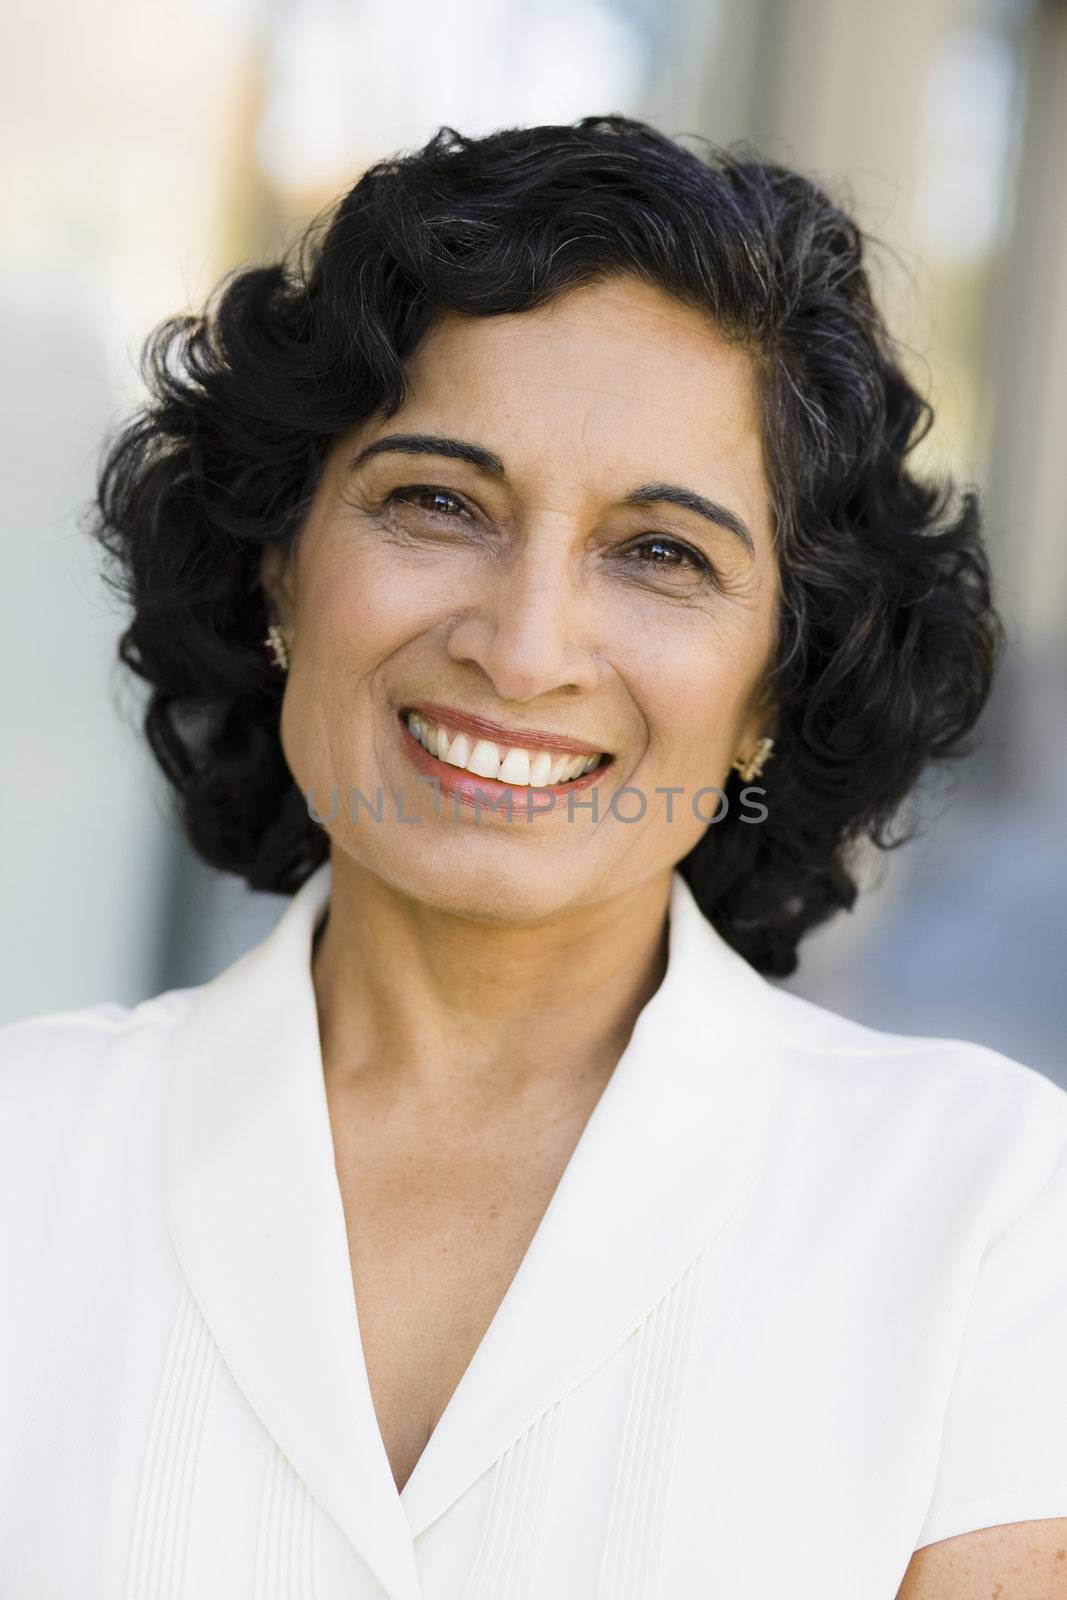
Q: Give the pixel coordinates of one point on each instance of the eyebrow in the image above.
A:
(431, 444)
(673, 495)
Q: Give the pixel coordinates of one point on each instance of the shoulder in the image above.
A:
(957, 1115)
(67, 1075)
(834, 1048)
(69, 1043)
(82, 1111)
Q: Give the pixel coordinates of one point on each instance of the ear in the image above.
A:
(274, 579)
(762, 719)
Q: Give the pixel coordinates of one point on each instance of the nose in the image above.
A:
(528, 623)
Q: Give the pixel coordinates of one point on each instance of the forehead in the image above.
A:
(619, 368)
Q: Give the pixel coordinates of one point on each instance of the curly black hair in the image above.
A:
(888, 638)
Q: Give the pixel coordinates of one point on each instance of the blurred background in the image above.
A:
(149, 148)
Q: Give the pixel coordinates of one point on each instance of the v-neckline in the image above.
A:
(512, 1288)
(254, 1209)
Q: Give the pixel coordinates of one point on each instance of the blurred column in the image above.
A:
(836, 89)
(1028, 489)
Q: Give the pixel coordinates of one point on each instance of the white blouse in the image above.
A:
(797, 1307)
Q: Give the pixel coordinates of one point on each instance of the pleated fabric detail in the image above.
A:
(161, 1524)
(285, 1550)
(631, 1567)
(505, 1564)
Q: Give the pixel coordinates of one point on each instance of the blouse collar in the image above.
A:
(255, 1214)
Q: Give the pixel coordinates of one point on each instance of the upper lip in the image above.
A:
(525, 738)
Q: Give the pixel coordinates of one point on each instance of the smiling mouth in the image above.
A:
(510, 764)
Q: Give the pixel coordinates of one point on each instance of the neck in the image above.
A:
(429, 1006)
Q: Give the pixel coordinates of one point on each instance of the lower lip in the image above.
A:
(470, 790)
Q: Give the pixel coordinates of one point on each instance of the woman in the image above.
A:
(496, 1227)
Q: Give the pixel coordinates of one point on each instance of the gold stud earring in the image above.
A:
(757, 761)
(276, 641)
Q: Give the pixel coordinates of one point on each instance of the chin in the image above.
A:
(484, 885)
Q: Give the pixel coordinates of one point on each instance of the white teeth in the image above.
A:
(538, 769)
(457, 754)
(515, 767)
(484, 760)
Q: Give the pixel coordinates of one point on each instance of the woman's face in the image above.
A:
(565, 531)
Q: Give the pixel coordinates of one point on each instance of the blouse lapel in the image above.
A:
(256, 1217)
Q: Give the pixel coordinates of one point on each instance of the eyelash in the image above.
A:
(693, 558)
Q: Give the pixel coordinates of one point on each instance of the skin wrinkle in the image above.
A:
(487, 461)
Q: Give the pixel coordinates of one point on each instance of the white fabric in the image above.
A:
(797, 1307)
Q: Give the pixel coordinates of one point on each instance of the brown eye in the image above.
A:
(425, 497)
(671, 553)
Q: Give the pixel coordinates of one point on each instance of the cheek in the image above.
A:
(693, 694)
(367, 603)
